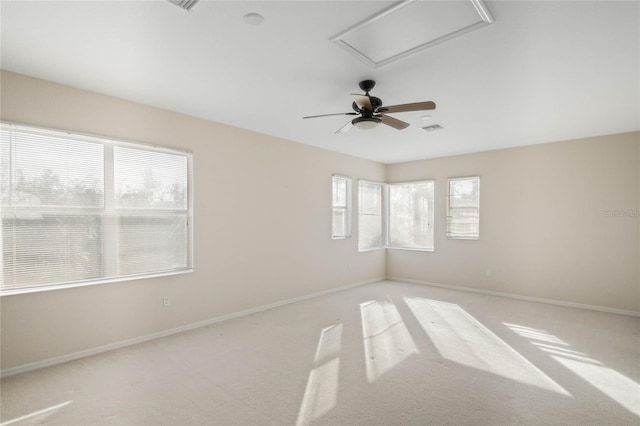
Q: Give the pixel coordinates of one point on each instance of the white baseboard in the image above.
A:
(519, 297)
(121, 344)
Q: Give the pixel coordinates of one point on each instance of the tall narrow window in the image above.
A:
(370, 229)
(463, 208)
(78, 210)
(341, 189)
(411, 215)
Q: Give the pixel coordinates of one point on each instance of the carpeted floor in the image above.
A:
(382, 354)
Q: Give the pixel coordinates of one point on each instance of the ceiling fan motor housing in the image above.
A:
(375, 102)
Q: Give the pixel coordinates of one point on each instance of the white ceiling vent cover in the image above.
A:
(184, 4)
(409, 26)
(432, 128)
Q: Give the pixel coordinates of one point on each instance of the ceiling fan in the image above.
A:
(371, 112)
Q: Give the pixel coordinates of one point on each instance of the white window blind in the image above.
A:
(341, 190)
(463, 208)
(370, 227)
(79, 210)
(411, 215)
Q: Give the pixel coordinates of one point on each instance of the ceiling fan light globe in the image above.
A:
(365, 123)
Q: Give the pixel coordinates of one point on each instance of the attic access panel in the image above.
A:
(410, 26)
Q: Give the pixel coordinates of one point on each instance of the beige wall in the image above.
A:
(262, 227)
(544, 228)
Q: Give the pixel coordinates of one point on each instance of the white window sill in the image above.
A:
(411, 249)
(37, 289)
(371, 249)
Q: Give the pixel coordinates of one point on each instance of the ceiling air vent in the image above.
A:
(432, 128)
(184, 4)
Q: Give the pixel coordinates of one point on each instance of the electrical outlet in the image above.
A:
(489, 273)
(166, 301)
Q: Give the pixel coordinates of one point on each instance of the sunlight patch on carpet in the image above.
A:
(321, 392)
(461, 338)
(37, 416)
(616, 386)
(387, 341)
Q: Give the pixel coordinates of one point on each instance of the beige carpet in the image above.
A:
(382, 354)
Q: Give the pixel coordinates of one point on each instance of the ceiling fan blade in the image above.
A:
(344, 128)
(363, 102)
(394, 122)
(329, 115)
(418, 106)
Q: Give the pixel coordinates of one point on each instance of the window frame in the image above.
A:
(347, 208)
(448, 212)
(383, 214)
(108, 207)
(432, 215)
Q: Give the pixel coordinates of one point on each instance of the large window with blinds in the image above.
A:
(463, 208)
(396, 215)
(411, 215)
(80, 210)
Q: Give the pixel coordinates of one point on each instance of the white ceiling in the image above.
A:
(543, 71)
